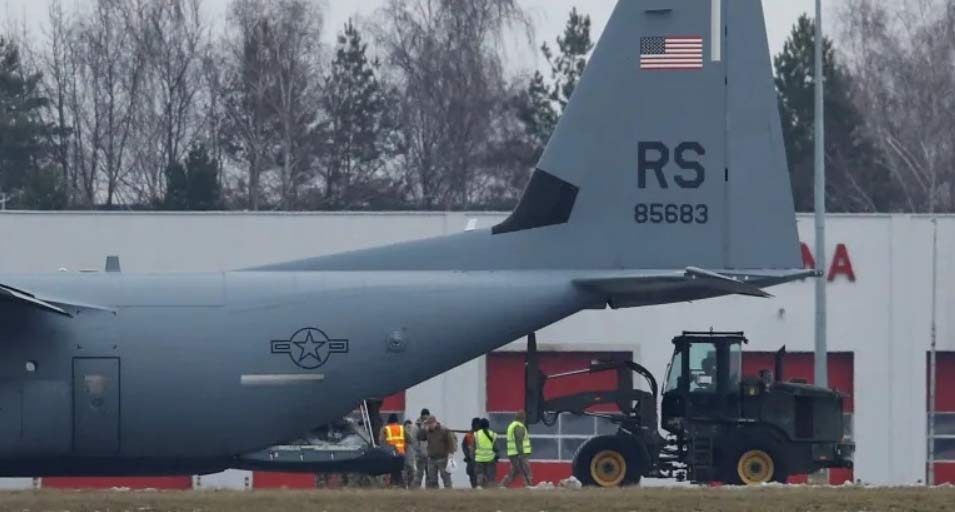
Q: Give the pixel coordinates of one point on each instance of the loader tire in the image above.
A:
(610, 461)
(756, 463)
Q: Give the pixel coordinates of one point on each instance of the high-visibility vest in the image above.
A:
(395, 436)
(484, 446)
(512, 441)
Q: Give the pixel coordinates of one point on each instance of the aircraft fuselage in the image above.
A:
(198, 369)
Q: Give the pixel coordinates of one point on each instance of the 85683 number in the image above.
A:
(658, 213)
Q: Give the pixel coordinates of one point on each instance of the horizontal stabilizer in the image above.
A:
(8, 294)
(13, 295)
(651, 288)
(727, 284)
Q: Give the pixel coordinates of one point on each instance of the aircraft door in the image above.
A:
(96, 406)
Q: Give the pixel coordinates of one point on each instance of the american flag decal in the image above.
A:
(671, 53)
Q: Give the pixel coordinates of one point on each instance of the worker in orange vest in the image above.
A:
(469, 448)
(394, 434)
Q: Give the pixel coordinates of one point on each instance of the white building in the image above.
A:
(880, 298)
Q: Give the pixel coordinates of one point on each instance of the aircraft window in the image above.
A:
(95, 384)
(31, 366)
(702, 367)
(547, 201)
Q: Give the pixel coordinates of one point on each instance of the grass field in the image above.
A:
(801, 499)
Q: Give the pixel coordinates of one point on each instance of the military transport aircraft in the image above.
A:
(665, 181)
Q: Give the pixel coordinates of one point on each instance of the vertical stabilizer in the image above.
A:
(669, 156)
(761, 227)
(670, 153)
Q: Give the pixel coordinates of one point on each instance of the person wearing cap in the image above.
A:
(518, 451)
(394, 434)
(420, 444)
(442, 444)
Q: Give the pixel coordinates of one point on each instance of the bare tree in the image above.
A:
(903, 58)
(272, 85)
(245, 93)
(63, 62)
(212, 106)
(124, 79)
(59, 61)
(293, 53)
(172, 40)
(99, 81)
(447, 57)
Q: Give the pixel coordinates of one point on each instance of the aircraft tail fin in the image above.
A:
(670, 153)
(669, 156)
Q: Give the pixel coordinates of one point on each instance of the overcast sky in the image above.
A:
(549, 16)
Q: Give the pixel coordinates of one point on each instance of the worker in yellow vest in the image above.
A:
(485, 455)
(394, 434)
(518, 451)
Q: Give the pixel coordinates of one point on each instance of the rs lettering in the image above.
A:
(654, 159)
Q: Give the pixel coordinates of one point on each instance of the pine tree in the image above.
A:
(193, 185)
(44, 189)
(177, 188)
(204, 188)
(536, 111)
(540, 106)
(568, 65)
(23, 153)
(856, 180)
(357, 134)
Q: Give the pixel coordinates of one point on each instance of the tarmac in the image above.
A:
(682, 499)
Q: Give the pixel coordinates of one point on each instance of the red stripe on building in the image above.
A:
(272, 480)
(945, 473)
(945, 391)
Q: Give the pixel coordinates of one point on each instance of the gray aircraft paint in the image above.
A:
(214, 366)
(595, 148)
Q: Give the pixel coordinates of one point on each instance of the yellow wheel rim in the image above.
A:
(756, 467)
(608, 468)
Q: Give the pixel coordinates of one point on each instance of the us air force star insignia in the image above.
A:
(310, 348)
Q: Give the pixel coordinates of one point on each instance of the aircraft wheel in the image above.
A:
(609, 461)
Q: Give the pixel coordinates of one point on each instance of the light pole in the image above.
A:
(822, 350)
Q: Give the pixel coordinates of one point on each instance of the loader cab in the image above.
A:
(703, 379)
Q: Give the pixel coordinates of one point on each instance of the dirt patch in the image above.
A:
(800, 499)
